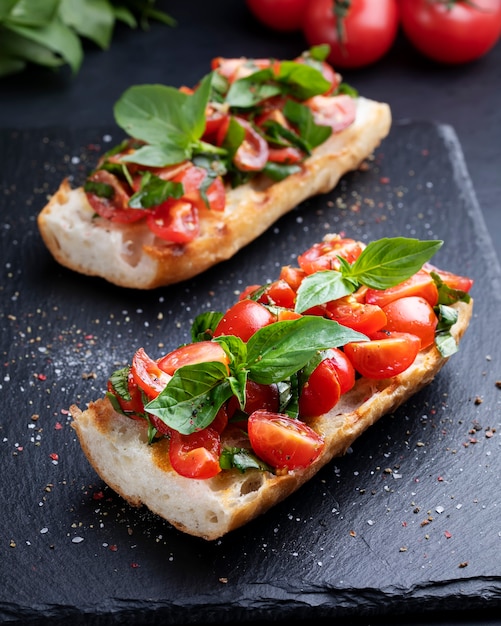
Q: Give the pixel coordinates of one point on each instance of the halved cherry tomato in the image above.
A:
(174, 220)
(279, 293)
(220, 422)
(147, 374)
(133, 406)
(192, 179)
(115, 208)
(293, 276)
(213, 119)
(257, 396)
(344, 369)
(288, 155)
(323, 255)
(283, 442)
(248, 291)
(192, 353)
(387, 354)
(321, 391)
(252, 154)
(365, 318)
(338, 112)
(454, 281)
(233, 69)
(243, 319)
(421, 284)
(195, 455)
(413, 315)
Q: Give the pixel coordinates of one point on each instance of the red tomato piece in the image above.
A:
(195, 455)
(281, 15)
(257, 396)
(365, 318)
(452, 32)
(293, 276)
(133, 406)
(321, 391)
(323, 255)
(344, 369)
(387, 354)
(252, 154)
(369, 29)
(413, 315)
(421, 284)
(192, 353)
(279, 293)
(454, 281)
(288, 155)
(147, 374)
(338, 112)
(116, 208)
(283, 442)
(175, 221)
(243, 319)
(192, 179)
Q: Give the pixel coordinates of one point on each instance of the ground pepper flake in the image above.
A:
(447, 534)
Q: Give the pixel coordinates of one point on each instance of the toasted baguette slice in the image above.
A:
(117, 448)
(131, 256)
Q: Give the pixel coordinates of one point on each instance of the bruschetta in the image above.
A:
(206, 170)
(217, 431)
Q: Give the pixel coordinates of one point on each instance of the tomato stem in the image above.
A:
(341, 9)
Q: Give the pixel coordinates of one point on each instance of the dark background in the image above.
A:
(467, 97)
(131, 567)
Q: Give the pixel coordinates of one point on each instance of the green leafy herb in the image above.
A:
(383, 263)
(194, 395)
(444, 340)
(241, 459)
(49, 33)
(154, 191)
(447, 295)
(102, 190)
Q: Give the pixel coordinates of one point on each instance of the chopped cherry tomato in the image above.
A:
(220, 422)
(338, 112)
(133, 406)
(147, 374)
(257, 396)
(192, 179)
(192, 353)
(321, 391)
(288, 155)
(344, 369)
(421, 284)
(283, 442)
(454, 281)
(116, 207)
(293, 276)
(195, 455)
(365, 318)
(323, 255)
(243, 319)
(233, 69)
(279, 293)
(174, 220)
(387, 354)
(252, 154)
(414, 315)
(284, 315)
(213, 120)
(248, 291)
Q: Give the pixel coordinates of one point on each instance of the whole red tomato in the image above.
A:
(283, 15)
(359, 32)
(452, 31)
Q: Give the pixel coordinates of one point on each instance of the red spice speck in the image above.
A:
(440, 479)
(41, 377)
(54, 456)
(113, 547)
(89, 337)
(58, 426)
(134, 565)
(447, 534)
(98, 495)
(65, 412)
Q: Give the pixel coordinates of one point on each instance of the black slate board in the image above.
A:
(405, 524)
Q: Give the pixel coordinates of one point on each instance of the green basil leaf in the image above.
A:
(248, 92)
(278, 350)
(389, 261)
(163, 117)
(16, 50)
(447, 295)
(301, 80)
(288, 393)
(241, 459)
(120, 382)
(204, 325)
(191, 399)
(311, 133)
(322, 287)
(280, 171)
(93, 19)
(30, 12)
(444, 340)
(102, 190)
(154, 191)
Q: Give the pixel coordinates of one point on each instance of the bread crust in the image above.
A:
(130, 256)
(116, 446)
